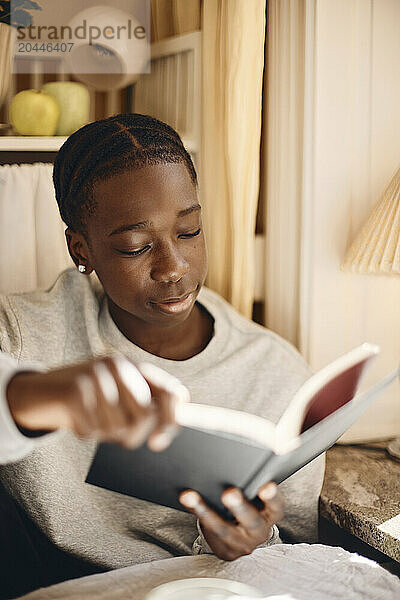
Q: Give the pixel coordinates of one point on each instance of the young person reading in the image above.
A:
(127, 191)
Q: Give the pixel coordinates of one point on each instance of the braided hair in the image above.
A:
(108, 147)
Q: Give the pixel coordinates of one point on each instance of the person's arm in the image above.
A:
(106, 398)
(14, 445)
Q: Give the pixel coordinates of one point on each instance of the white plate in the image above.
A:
(202, 588)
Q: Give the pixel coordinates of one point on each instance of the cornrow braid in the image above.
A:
(107, 147)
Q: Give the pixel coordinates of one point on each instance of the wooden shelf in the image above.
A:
(18, 143)
(51, 143)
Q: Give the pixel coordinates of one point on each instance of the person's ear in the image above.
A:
(79, 251)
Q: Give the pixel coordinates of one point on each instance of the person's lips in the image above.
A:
(176, 304)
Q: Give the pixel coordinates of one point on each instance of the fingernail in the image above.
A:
(170, 430)
(269, 491)
(161, 442)
(234, 498)
(189, 499)
(164, 438)
(181, 392)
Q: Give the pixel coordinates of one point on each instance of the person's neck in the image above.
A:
(180, 342)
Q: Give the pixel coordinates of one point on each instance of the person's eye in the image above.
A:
(134, 252)
(190, 235)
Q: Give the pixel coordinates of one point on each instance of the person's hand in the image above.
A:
(231, 539)
(106, 398)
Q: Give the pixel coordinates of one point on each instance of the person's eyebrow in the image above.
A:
(144, 224)
(123, 228)
(187, 211)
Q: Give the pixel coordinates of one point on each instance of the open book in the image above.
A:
(218, 447)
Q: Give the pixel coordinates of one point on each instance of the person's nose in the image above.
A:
(170, 266)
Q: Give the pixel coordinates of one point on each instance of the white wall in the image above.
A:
(353, 141)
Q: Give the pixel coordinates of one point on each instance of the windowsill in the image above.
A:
(361, 495)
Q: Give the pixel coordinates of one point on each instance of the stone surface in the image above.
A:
(361, 494)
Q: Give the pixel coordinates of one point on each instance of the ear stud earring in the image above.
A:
(81, 268)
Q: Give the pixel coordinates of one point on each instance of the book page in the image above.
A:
(226, 420)
(325, 392)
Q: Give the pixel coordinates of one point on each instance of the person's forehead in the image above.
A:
(145, 181)
(152, 190)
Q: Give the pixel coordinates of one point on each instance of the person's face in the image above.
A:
(146, 242)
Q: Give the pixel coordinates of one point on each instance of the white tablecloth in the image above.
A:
(300, 572)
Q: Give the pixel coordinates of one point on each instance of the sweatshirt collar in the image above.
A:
(115, 339)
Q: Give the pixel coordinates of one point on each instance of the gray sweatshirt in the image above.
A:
(245, 367)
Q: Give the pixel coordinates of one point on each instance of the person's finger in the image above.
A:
(167, 391)
(227, 540)
(130, 379)
(135, 401)
(273, 502)
(111, 417)
(207, 516)
(253, 522)
(85, 417)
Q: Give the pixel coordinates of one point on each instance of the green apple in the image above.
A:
(74, 101)
(33, 112)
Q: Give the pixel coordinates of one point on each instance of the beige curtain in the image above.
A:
(7, 39)
(233, 62)
(174, 17)
(282, 165)
(32, 242)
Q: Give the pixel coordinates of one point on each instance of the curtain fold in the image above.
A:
(233, 36)
(174, 17)
(282, 165)
(7, 39)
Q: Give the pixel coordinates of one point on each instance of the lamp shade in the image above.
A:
(111, 60)
(376, 249)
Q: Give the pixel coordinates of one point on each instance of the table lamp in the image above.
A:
(376, 248)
